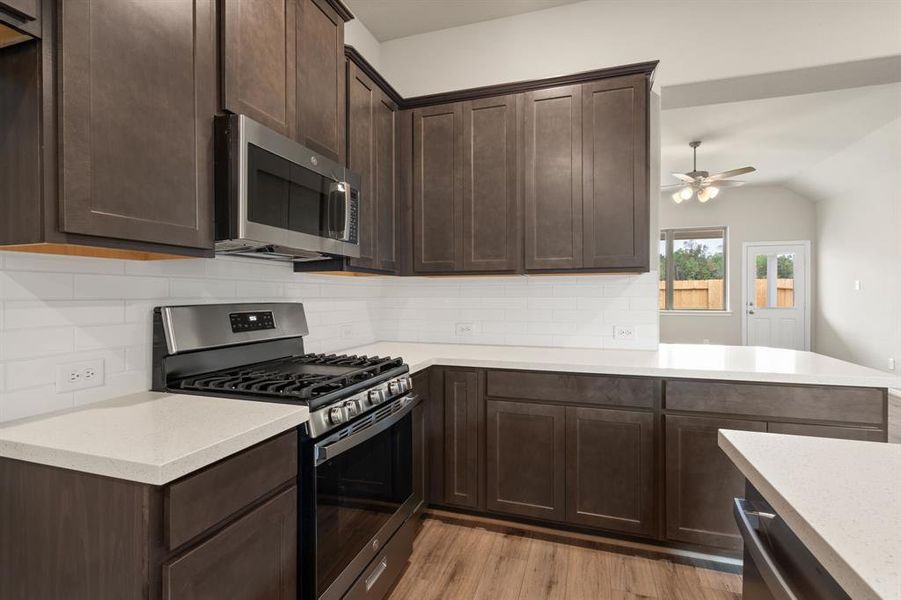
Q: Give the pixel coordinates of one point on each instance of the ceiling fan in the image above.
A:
(702, 183)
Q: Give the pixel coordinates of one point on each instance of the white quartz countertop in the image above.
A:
(840, 497)
(148, 437)
(737, 363)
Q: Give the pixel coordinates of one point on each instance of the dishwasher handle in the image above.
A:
(775, 580)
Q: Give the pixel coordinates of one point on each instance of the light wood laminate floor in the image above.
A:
(463, 561)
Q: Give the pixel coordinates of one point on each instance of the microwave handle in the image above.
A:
(339, 192)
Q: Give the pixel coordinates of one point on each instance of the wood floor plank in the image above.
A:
(453, 561)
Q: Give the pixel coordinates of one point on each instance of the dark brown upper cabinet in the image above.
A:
(701, 481)
(552, 173)
(610, 469)
(136, 120)
(615, 175)
(491, 239)
(462, 427)
(371, 153)
(259, 73)
(18, 17)
(525, 459)
(321, 76)
(438, 188)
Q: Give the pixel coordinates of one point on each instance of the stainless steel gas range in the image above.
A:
(357, 494)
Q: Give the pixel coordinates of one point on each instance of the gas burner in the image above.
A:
(300, 378)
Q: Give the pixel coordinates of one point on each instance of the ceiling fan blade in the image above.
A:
(683, 177)
(732, 173)
(725, 183)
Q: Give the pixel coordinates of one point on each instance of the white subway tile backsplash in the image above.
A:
(125, 287)
(55, 310)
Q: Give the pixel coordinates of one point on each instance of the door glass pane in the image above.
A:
(775, 281)
(661, 295)
(699, 270)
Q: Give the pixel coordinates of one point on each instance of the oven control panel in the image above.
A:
(342, 411)
(251, 321)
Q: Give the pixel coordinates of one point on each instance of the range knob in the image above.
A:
(336, 415)
(377, 396)
(408, 383)
(394, 387)
(350, 409)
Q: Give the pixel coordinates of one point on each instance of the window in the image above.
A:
(693, 269)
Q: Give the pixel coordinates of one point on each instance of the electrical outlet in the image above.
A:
(79, 375)
(464, 328)
(857, 285)
(891, 364)
(623, 332)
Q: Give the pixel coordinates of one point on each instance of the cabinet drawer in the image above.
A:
(576, 389)
(829, 431)
(200, 501)
(385, 569)
(844, 404)
(254, 557)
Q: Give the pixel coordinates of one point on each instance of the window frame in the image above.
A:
(667, 235)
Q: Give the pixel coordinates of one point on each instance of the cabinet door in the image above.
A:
(552, 187)
(525, 460)
(259, 75)
(320, 78)
(421, 449)
(362, 96)
(610, 469)
(22, 15)
(254, 557)
(419, 455)
(701, 481)
(385, 184)
(490, 212)
(437, 188)
(138, 83)
(615, 200)
(461, 438)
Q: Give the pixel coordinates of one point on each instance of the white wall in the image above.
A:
(695, 40)
(356, 35)
(752, 214)
(56, 310)
(858, 212)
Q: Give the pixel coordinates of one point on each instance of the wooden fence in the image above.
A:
(693, 294)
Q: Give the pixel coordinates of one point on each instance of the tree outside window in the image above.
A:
(693, 269)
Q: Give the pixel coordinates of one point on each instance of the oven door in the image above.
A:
(364, 493)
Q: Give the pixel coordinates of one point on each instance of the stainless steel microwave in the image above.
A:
(278, 199)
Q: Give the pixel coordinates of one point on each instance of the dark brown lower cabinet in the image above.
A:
(610, 469)
(462, 424)
(254, 557)
(701, 481)
(829, 431)
(525, 459)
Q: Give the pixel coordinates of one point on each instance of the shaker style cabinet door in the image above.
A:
(616, 205)
(438, 188)
(491, 237)
(525, 459)
(610, 469)
(552, 186)
(370, 153)
(701, 481)
(259, 76)
(320, 78)
(137, 99)
(461, 438)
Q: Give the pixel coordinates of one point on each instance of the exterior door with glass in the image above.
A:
(775, 295)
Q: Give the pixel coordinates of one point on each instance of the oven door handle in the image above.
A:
(330, 451)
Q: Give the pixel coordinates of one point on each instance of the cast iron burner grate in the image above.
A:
(297, 377)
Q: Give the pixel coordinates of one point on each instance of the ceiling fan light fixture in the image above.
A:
(713, 191)
(704, 195)
(686, 192)
(677, 198)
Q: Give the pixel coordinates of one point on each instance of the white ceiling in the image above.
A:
(781, 137)
(392, 19)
